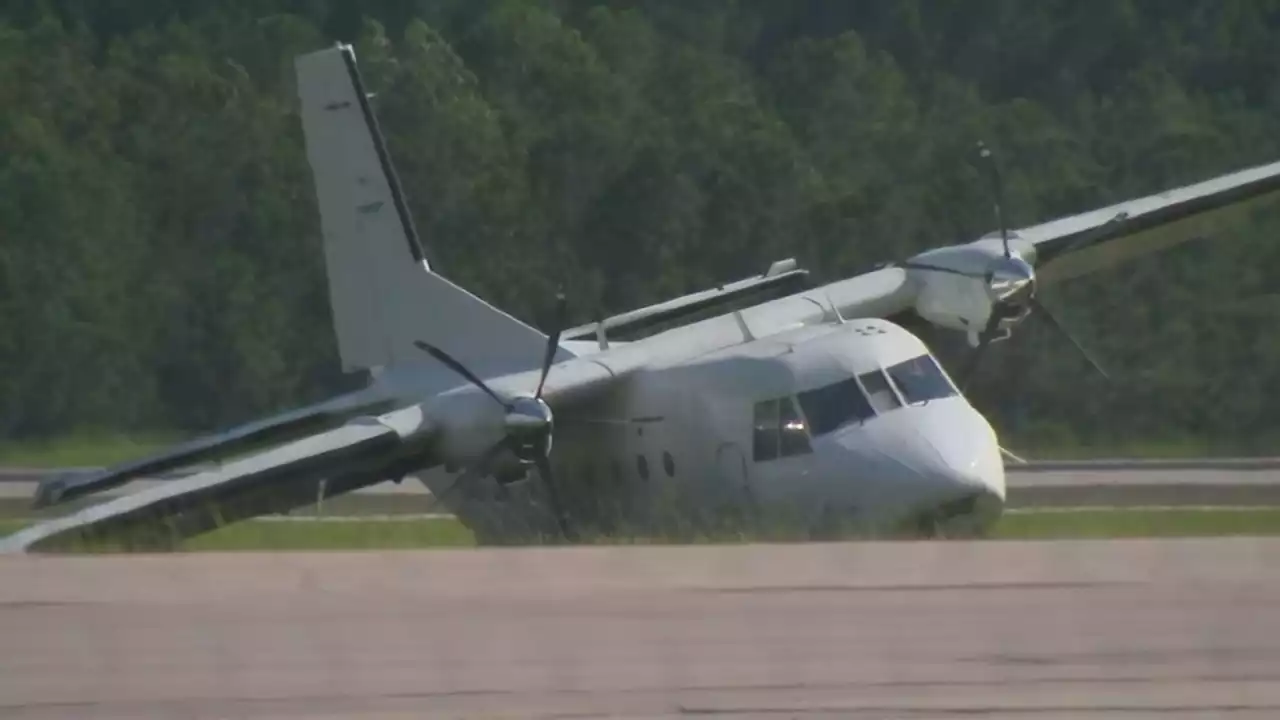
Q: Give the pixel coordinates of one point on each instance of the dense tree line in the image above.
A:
(160, 265)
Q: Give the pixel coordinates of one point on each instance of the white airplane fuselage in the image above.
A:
(851, 425)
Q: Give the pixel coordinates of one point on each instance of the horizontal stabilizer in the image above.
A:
(331, 463)
(76, 484)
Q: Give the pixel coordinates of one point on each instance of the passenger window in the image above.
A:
(765, 438)
(795, 436)
(833, 406)
(881, 395)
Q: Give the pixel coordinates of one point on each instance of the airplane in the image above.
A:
(813, 403)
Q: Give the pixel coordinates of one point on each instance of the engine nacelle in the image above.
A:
(467, 423)
(960, 285)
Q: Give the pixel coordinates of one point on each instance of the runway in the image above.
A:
(1118, 629)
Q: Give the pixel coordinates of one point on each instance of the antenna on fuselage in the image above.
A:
(834, 309)
(747, 335)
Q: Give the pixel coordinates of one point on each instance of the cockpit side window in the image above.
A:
(779, 431)
(795, 436)
(882, 397)
(921, 380)
(765, 431)
(834, 406)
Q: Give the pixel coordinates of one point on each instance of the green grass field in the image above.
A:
(410, 534)
(95, 448)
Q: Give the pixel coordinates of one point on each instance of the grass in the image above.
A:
(336, 535)
(1127, 523)
(434, 533)
(92, 448)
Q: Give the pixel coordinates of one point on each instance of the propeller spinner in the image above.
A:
(528, 421)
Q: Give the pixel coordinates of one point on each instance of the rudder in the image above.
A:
(383, 292)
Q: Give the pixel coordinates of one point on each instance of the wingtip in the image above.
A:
(53, 490)
(50, 491)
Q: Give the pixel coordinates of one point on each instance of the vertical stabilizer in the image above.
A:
(382, 290)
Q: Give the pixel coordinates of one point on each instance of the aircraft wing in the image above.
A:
(782, 278)
(364, 451)
(344, 459)
(279, 428)
(1071, 246)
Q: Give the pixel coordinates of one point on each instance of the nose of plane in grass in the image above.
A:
(938, 462)
(956, 454)
(960, 449)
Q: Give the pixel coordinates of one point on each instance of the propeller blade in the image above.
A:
(1048, 316)
(553, 342)
(984, 341)
(938, 268)
(997, 188)
(972, 368)
(544, 471)
(594, 421)
(459, 368)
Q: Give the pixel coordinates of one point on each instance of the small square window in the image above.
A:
(766, 440)
(881, 395)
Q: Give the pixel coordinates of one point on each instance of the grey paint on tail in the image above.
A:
(383, 292)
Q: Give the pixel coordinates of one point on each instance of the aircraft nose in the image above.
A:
(960, 453)
(938, 463)
(956, 456)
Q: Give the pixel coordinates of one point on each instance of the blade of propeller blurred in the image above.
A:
(593, 421)
(984, 342)
(553, 496)
(939, 268)
(553, 342)
(997, 190)
(1048, 316)
(475, 470)
(454, 365)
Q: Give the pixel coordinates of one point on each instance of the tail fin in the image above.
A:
(383, 292)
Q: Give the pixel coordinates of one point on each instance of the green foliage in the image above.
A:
(1131, 523)
(160, 267)
(89, 449)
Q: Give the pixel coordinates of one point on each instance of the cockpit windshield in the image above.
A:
(834, 406)
(914, 381)
(921, 380)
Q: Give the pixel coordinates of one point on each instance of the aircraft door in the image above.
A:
(731, 465)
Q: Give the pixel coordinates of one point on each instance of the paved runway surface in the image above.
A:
(1120, 629)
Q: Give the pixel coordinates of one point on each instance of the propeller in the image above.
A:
(1011, 284)
(528, 421)
(997, 185)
